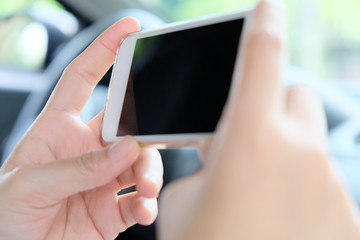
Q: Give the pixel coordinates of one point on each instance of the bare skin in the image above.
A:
(267, 174)
(61, 182)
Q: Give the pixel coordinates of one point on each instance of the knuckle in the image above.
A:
(87, 75)
(266, 38)
(304, 92)
(91, 164)
(255, 124)
(19, 180)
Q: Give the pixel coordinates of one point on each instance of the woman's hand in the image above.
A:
(267, 174)
(61, 182)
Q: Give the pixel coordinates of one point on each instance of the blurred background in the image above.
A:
(324, 35)
(39, 38)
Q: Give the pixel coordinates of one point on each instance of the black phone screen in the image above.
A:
(179, 81)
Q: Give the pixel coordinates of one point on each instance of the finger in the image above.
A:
(146, 173)
(82, 75)
(149, 172)
(257, 92)
(258, 71)
(58, 180)
(136, 209)
(305, 107)
(96, 123)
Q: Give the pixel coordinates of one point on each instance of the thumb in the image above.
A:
(58, 180)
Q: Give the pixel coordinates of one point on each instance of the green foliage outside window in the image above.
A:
(324, 35)
(8, 7)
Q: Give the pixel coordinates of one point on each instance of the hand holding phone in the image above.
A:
(169, 85)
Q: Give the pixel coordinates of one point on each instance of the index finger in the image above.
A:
(258, 72)
(82, 75)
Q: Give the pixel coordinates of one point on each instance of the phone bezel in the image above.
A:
(120, 76)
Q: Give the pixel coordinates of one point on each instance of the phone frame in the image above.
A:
(120, 76)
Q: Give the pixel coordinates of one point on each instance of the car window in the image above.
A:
(31, 33)
(24, 44)
(324, 35)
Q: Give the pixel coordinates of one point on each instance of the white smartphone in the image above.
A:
(169, 86)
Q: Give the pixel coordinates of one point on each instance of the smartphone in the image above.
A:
(169, 85)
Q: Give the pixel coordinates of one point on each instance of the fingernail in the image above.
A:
(122, 149)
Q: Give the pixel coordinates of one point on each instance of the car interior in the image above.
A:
(25, 90)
